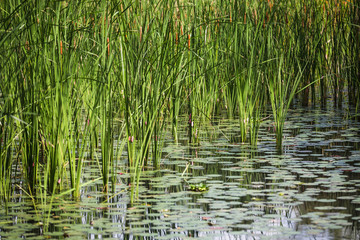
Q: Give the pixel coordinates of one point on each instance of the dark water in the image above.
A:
(311, 191)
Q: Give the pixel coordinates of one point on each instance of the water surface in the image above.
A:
(310, 191)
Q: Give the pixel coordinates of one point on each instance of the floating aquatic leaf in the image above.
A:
(326, 200)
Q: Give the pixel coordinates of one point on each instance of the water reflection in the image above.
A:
(308, 192)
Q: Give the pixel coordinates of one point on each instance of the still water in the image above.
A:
(310, 191)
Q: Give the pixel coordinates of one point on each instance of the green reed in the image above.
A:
(85, 77)
(7, 135)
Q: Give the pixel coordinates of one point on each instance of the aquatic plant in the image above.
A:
(201, 187)
(282, 86)
(82, 78)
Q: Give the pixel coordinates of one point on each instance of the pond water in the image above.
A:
(310, 191)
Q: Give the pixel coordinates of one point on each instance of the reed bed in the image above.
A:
(82, 76)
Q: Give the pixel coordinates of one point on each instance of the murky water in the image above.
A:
(311, 191)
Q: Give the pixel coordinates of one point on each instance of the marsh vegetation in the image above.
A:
(98, 98)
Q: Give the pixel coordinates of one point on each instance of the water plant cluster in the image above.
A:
(89, 79)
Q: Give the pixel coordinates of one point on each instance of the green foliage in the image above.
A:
(201, 187)
(79, 77)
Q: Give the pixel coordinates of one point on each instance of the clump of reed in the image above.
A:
(78, 76)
